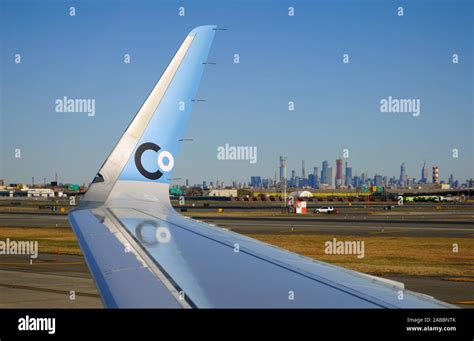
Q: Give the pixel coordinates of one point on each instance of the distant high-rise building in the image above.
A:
(324, 172)
(451, 181)
(338, 173)
(330, 178)
(348, 180)
(393, 181)
(255, 181)
(303, 172)
(282, 169)
(356, 182)
(403, 175)
(293, 178)
(363, 178)
(435, 175)
(316, 177)
(424, 174)
(378, 180)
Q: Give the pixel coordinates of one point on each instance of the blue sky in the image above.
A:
(282, 59)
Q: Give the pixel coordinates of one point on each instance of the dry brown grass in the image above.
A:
(387, 255)
(384, 255)
(50, 239)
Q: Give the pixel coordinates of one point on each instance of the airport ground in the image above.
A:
(412, 244)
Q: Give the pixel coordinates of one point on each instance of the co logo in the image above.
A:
(165, 161)
(150, 234)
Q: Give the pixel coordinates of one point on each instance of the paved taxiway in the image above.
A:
(47, 282)
(33, 220)
(344, 226)
(335, 224)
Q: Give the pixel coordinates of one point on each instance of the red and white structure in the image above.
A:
(435, 175)
(300, 207)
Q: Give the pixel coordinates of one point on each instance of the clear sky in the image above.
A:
(282, 59)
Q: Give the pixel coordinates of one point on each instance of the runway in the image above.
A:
(33, 220)
(336, 224)
(343, 226)
(50, 281)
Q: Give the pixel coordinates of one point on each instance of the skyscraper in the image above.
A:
(282, 169)
(338, 173)
(316, 177)
(330, 177)
(378, 180)
(424, 174)
(324, 172)
(255, 181)
(348, 180)
(403, 175)
(451, 181)
(356, 182)
(303, 172)
(363, 178)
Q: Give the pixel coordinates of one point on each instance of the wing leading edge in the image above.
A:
(142, 253)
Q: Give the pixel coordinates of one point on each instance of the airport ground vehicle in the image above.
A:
(327, 210)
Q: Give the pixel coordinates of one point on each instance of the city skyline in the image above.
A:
(347, 175)
(345, 163)
(335, 105)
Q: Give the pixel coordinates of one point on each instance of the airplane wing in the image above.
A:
(142, 253)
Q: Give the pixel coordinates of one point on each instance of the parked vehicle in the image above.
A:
(327, 210)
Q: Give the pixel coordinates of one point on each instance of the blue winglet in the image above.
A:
(154, 155)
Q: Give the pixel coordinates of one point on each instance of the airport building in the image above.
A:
(229, 193)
